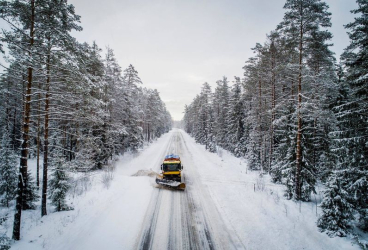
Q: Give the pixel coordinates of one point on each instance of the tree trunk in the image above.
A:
(149, 134)
(7, 109)
(273, 83)
(38, 135)
(76, 144)
(70, 147)
(299, 134)
(259, 124)
(22, 181)
(65, 143)
(46, 137)
(14, 144)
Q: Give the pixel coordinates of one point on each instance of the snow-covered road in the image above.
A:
(184, 220)
(224, 206)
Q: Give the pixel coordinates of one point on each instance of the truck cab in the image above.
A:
(171, 168)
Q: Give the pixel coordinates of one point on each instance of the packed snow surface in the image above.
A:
(224, 206)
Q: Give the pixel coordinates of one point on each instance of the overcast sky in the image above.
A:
(177, 45)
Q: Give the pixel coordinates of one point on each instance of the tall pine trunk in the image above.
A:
(22, 181)
(38, 135)
(299, 133)
(7, 104)
(149, 134)
(259, 125)
(273, 83)
(14, 126)
(46, 139)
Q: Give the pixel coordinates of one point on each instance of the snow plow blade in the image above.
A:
(170, 184)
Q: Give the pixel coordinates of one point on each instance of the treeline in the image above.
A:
(65, 103)
(297, 114)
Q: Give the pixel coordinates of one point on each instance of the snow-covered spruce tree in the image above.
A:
(196, 133)
(8, 170)
(203, 104)
(211, 141)
(5, 242)
(236, 127)
(130, 80)
(92, 106)
(59, 184)
(302, 25)
(204, 127)
(160, 118)
(112, 86)
(143, 115)
(355, 120)
(152, 112)
(256, 119)
(187, 119)
(191, 119)
(221, 111)
(283, 111)
(30, 193)
(319, 119)
(189, 115)
(351, 137)
(337, 210)
(283, 170)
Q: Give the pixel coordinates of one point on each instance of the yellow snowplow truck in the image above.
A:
(171, 170)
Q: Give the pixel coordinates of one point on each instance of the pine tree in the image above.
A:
(302, 24)
(21, 16)
(8, 171)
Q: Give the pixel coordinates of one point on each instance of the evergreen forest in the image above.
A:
(65, 103)
(298, 114)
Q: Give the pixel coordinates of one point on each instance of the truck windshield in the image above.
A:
(172, 167)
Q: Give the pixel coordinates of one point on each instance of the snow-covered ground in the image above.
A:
(223, 207)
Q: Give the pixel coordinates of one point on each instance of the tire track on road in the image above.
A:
(181, 219)
(150, 221)
(214, 235)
